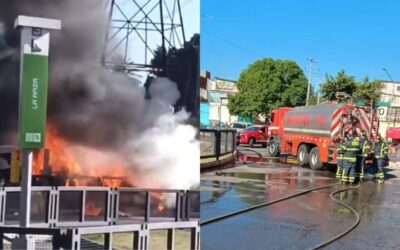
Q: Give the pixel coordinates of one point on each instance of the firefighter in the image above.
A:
(339, 157)
(352, 149)
(380, 151)
(365, 149)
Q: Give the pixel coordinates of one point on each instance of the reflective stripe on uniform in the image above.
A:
(339, 172)
(350, 159)
(353, 149)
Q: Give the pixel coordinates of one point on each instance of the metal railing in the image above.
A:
(132, 236)
(91, 217)
(53, 207)
(215, 143)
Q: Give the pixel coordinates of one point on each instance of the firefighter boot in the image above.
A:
(380, 176)
(352, 173)
(339, 171)
(345, 172)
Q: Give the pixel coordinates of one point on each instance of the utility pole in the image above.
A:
(319, 89)
(311, 60)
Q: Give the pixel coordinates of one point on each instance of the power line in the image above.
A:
(231, 43)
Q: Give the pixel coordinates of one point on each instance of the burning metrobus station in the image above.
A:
(59, 194)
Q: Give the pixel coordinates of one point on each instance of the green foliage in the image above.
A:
(340, 83)
(313, 99)
(268, 84)
(367, 90)
(182, 67)
(364, 90)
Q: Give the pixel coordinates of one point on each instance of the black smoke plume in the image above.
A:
(87, 103)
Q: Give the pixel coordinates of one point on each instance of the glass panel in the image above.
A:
(132, 206)
(96, 206)
(223, 143)
(230, 142)
(39, 206)
(163, 205)
(207, 143)
(122, 241)
(92, 241)
(194, 203)
(12, 207)
(70, 206)
(158, 239)
(182, 239)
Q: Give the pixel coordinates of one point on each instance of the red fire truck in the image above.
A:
(308, 132)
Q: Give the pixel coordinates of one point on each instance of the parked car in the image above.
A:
(254, 134)
(239, 126)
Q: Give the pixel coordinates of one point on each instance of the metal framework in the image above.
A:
(60, 216)
(223, 142)
(142, 25)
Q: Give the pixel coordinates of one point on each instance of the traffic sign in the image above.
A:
(360, 103)
(382, 104)
(382, 113)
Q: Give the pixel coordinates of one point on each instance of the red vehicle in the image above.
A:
(309, 132)
(393, 135)
(254, 134)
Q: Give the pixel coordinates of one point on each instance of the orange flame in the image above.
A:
(63, 161)
(111, 182)
(92, 210)
(160, 207)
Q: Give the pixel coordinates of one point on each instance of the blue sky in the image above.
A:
(360, 37)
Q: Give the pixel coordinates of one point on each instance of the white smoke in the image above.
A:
(168, 153)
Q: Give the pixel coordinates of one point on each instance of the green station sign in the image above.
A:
(33, 104)
(382, 104)
(360, 103)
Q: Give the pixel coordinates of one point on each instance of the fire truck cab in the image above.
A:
(275, 130)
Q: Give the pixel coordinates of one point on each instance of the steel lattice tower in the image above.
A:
(137, 28)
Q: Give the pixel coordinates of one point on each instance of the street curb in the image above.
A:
(218, 163)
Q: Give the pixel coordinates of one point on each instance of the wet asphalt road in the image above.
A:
(299, 223)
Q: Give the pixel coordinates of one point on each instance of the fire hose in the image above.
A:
(351, 228)
(331, 196)
(242, 211)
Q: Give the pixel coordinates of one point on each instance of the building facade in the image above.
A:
(218, 91)
(389, 116)
(204, 105)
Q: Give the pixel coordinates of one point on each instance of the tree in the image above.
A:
(268, 84)
(340, 83)
(182, 66)
(367, 90)
(313, 99)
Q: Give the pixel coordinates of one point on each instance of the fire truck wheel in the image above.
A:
(273, 149)
(252, 142)
(264, 144)
(303, 155)
(315, 162)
